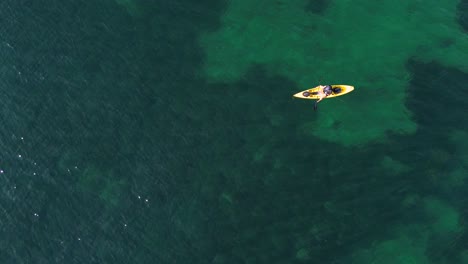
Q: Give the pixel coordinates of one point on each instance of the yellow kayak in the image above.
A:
(338, 90)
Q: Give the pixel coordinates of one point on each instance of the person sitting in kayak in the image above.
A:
(323, 92)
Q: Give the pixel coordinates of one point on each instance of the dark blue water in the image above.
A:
(116, 149)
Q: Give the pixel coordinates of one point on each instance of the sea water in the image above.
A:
(164, 132)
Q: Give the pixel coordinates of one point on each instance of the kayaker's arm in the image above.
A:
(316, 103)
(320, 99)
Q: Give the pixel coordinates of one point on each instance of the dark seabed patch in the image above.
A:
(317, 6)
(445, 89)
(462, 12)
(436, 98)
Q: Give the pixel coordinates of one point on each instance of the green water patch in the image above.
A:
(394, 166)
(131, 6)
(464, 257)
(102, 183)
(428, 241)
(93, 180)
(350, 43)
(444, 218)
(399, 250)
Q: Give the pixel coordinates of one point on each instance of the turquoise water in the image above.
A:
(165, 132)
